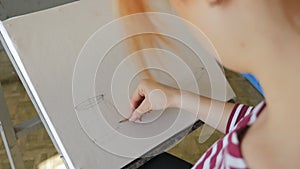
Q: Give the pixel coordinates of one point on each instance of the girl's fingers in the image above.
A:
(142, 109)
(136, 99)
(135, 116)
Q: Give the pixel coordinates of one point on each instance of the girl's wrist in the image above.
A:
(175, 99)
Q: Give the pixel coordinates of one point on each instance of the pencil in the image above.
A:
(124, 120)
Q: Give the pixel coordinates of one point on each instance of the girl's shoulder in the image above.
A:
(226, 152)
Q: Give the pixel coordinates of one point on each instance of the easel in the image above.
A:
(75, 148)
(10, 133)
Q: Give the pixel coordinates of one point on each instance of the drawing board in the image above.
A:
(80, 80)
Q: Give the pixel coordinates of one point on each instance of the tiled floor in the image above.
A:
(37, 147)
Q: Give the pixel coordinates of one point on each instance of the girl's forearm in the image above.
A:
(212, 112)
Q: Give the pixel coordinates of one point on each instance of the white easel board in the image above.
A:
(47, 46)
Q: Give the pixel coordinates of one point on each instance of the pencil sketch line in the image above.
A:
(90, 102)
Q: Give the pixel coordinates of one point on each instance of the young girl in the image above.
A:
(261, 37)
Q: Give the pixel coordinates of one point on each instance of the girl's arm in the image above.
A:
(151, 95)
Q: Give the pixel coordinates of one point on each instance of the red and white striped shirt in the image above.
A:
(226, 152)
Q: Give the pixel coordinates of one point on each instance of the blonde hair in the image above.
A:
(143, 41)
(291, 11)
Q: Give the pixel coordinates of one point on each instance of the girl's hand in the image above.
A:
(150, 95)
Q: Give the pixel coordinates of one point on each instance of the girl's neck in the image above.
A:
(280, 78)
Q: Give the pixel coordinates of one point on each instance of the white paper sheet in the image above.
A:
(61, 74)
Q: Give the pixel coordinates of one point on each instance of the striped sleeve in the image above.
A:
(238, 112)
